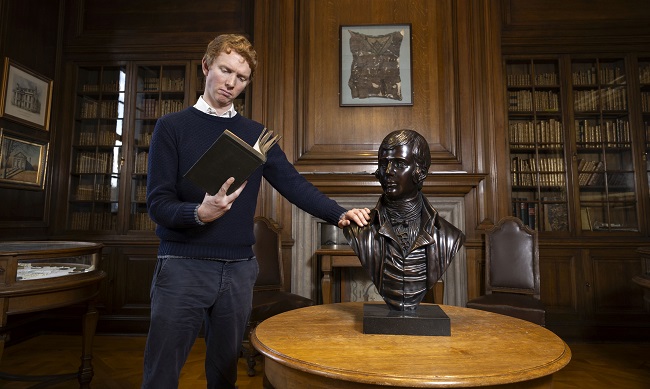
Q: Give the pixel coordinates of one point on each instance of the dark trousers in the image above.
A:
(186, 293)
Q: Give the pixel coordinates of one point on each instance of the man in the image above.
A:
(406, 246)
(206, 268)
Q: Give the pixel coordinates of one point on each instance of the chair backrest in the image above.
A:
(512, 258)
(268, 250)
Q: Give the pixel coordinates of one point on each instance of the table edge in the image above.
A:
(440, 381)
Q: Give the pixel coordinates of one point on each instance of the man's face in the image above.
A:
(396, 173)
(225, 79)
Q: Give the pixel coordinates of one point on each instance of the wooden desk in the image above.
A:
(342, 256)
(40, 275)
(331, 257)
(323, 347)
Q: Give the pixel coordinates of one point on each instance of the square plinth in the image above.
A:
(426, 320)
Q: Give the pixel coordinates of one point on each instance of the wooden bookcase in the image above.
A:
(159, 89)
(573, 144)
(97, 148)
(536, 137)
(604, 146)
(116, 109)
(578, 139)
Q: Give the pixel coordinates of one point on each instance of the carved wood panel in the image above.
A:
(349, 136)
(133, 274)
(560, 276)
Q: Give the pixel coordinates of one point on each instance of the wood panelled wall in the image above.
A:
(29, 32)
(459, 102)
(456, 74)
(456, 82)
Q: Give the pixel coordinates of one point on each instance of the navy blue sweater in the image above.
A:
(179, 139)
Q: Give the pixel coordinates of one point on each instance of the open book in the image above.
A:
(229, 156)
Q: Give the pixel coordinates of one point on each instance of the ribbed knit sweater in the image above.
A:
(179, 139)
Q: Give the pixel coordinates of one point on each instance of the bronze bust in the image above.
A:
(406, 246)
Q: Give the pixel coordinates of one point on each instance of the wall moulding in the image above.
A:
(446, 184)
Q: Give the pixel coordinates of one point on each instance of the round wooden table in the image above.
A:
(324, 347)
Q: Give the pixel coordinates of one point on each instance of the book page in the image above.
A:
(265, 141)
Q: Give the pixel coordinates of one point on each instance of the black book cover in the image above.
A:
(229, 156)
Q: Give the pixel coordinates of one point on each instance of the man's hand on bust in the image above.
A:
(359, 216)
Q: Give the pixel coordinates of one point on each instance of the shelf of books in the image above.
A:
(160, 89)
(537, 144)
(603, 139)
(97, 148)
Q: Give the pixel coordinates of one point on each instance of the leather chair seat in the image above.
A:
(521, 306)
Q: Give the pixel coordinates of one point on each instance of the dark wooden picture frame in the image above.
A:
(375, 65)
(26, 96)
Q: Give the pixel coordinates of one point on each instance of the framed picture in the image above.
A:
(22, 161)
(26, 96)
(376, 65)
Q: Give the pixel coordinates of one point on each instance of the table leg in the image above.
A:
(326, 281)
(4, 305)
(89, 324)
(344, 276)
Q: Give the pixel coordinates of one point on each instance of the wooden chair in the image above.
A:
(512, 272)
(269, 297)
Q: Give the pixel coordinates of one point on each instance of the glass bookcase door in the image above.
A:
(536, 144)
(160, 89)
(604, 154)
(97, 148)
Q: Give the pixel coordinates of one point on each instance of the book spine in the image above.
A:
(524, 212)
(532, 215)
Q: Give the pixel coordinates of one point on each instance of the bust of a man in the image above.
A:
(406, 246)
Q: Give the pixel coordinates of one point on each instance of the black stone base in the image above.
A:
(426, 320)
